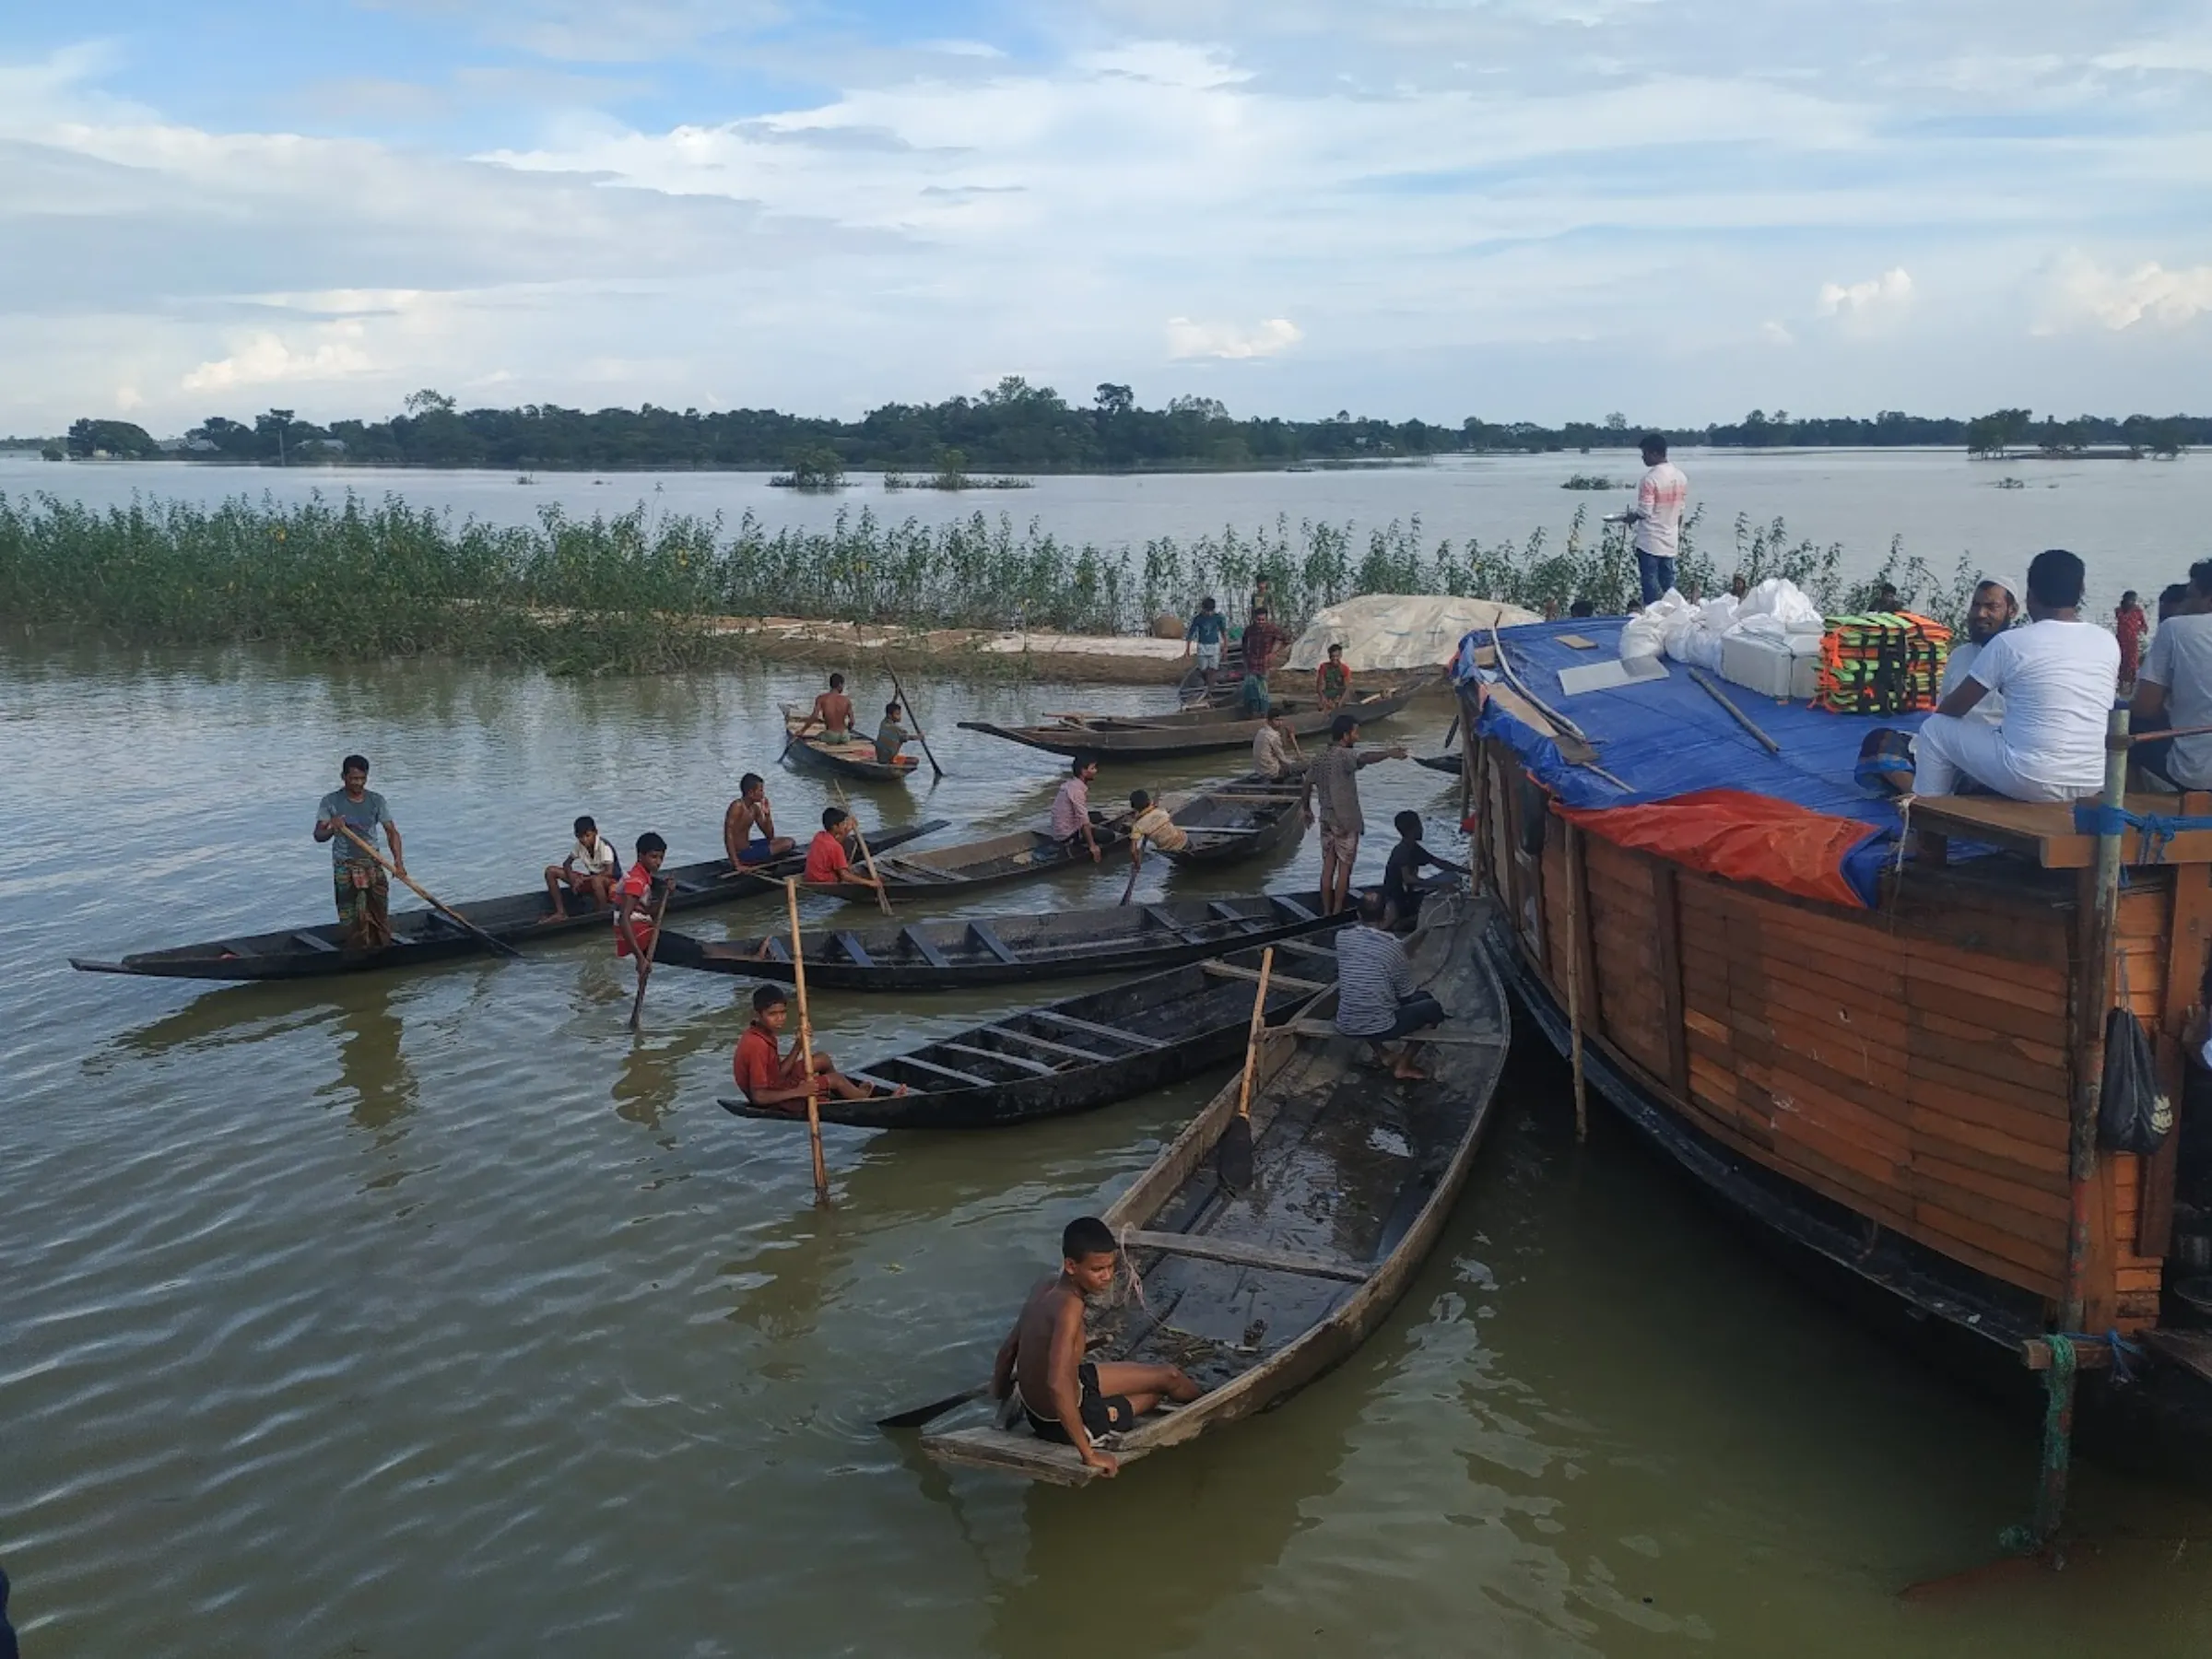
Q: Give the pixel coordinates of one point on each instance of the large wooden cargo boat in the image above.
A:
(1895, 1064)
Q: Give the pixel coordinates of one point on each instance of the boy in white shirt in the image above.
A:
(2057, 676)
(590, 871)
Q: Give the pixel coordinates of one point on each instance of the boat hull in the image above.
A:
(1196, 732)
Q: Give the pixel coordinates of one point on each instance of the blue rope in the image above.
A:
(2158, 829)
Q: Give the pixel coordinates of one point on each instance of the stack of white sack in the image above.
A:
(1689, 634)
(1772, 627)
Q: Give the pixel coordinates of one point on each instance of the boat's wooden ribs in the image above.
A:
(1007, 1034)
(1137, 1038)
(855, 952)
(1230, 1253)
(924, 949)
(990, 942)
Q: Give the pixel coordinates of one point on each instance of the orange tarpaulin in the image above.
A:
(1741, 836)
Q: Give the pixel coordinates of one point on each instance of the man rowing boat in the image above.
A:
(832, 712)
(363, 893)
(773, 1079)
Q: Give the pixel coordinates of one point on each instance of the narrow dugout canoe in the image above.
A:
(1250, 818)
(424, 936)
(1256, 1293)
(1086, 1051)
(1191, 732)
(854, 760)
(993, 950)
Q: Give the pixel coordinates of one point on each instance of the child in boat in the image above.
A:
(773, 1079)
(633, 903)
(1068, 1400)
(590, 871)
(749, 826)
(1333, 679)
(1402, 889)
(1150, 823)
(828, 862)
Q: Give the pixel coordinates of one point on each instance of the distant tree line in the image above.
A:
(1033, 428)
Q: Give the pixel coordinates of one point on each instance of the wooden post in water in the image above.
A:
(2085, 1250)
(814, 1105)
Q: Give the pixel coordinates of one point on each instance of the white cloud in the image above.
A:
(128, 398)
(2085, 291)
(1189, 340)
(1890, 291)
(1774, 333)
(266, 359)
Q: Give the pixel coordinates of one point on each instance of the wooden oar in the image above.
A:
(935, 1408)
(637, 1005)
(444, 910)
(814, 1105)
(883, 897)
(920, 736)
(1232, 1154)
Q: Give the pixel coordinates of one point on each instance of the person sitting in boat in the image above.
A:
(829, 857)
(1070, 807)
(1333, 680)
(1993, 610)
(1261, 640)
(1376, 998)
(633, 903)
(1151, 824)
(1067, 1399)
(891, 736)
(1205, 632)
(1402, 889)
(590, 871)
(776, 1081)
(2057, 676)
(2174, 690)
(1274, 751)
(832, 712)
(364, 893)
(749, 827)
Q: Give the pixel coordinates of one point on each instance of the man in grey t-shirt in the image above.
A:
(1333, 784)
(358, 882)
(2175, 688)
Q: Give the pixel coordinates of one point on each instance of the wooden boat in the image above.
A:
(1231, 824)
(994, 950)
(1087, 1052)
(1191, 731)
(1253, 817)
(854, 760)
(1445, 763)
(424, 936)
(1256, 1293)
(1899, 1077)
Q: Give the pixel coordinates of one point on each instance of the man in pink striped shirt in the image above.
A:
(1657, 516)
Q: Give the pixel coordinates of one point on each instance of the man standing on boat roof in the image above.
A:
(2057, 676)
(749, 827)
(1333, 780)
(363, 892)
(1657, 518)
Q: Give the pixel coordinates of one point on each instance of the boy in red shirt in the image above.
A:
(828, 864)
(633, 908)
(776, 1081)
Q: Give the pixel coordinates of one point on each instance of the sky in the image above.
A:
(1516, 209)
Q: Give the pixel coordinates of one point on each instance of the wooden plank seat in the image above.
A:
(1135, 1037)
(1297, 910)
(1036, 1067)
(982, 934)
(1234, 1254)
(312, 941)
(855, 952)
(1169, 925)
(2044, 831)
(1224, 970)
(1007, 1034)
(924, 949)
(965, 1079)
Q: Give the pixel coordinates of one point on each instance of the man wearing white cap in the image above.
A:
(2057, 676)
(1996, 607)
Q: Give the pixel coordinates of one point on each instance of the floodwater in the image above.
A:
(431, 1314)
(2138, 524)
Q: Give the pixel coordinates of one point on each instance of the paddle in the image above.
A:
(637, 1007)
(814, 1105)
(883, 896)
(920, 736)
(935, 1408)
(1232, 1154)
(444, 910)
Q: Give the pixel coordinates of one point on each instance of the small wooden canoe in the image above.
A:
(1249, 818)
(996, 950)
(1256, 1293)
(1191, 731)
(855, 759)
(1445, 763)
(520, 919)
(1087, 1052)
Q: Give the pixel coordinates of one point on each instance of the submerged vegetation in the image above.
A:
(359, 580)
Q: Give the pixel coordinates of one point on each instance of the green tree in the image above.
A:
(123, 438)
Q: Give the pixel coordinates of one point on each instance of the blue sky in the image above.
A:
(1675, 208)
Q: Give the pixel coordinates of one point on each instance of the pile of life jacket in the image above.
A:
(1882, 662)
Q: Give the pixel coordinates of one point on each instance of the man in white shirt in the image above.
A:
(2057, 676)
(1657, 516)
(2174, 689)
(1993, 609)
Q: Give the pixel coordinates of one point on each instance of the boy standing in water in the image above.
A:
(1068, 1400)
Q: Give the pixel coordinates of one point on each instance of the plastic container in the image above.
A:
(1785, 668)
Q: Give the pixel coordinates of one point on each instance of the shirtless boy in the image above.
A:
(832, 712)
(749, 827)
(1068, 1400)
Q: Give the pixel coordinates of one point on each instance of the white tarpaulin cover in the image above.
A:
(1389, 631)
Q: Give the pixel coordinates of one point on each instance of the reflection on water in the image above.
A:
(348, 1317)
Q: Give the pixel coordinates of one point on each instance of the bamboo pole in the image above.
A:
(814, 1105)
(2094, 1000)
(867, 859)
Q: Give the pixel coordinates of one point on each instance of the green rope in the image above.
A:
(2058, 1452)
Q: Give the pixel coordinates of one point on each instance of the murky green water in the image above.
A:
(432, 1315)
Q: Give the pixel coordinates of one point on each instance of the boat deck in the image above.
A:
(2046, 830)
